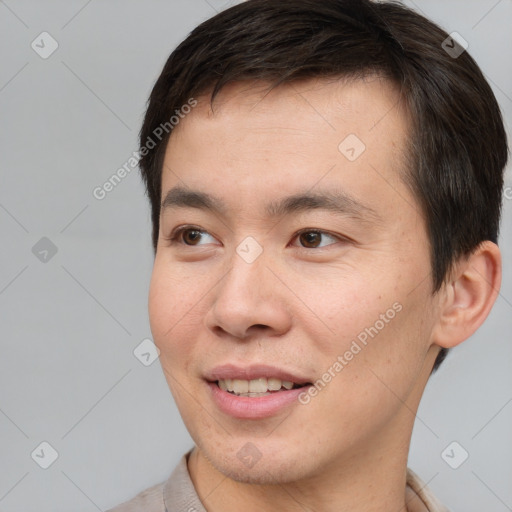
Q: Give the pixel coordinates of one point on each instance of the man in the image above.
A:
(325, 181)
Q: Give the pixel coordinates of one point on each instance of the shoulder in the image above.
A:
(150, 500)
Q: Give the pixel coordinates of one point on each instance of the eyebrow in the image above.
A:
(335, 201)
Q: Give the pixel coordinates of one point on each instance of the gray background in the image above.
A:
(69, 325)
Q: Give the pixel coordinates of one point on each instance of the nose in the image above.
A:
(250, 300)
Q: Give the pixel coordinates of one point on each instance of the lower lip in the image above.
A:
(254, 408)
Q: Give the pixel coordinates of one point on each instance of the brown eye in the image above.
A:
(311, 239)
(191, 235)
(188, 236)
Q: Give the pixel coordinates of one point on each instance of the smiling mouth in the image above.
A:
(257, 387)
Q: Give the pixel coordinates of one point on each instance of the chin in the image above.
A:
(260, 474)
(265, 468)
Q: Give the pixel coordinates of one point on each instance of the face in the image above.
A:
(308, 268)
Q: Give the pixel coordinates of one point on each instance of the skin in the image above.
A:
(300, 304)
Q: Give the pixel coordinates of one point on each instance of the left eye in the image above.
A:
(311, 237)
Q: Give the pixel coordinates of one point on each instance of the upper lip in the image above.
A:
(254, 371)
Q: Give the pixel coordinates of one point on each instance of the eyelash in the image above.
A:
(174, 236)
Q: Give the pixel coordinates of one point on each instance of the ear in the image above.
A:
(468, 296)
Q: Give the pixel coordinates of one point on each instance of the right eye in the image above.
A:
(184, 233)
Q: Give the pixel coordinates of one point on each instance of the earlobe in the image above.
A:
(469, 295)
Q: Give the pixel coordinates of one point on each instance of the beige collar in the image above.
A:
(418, 497)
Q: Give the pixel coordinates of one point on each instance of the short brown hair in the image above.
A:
(458, 141)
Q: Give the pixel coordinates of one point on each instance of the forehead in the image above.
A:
(365, 102)
(348, 134)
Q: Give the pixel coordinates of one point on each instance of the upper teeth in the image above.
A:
(260, 385)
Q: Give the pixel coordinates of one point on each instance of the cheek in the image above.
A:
(391, 357)
(380, 332)
(335, 308)
(173, 298)
(167, 306)
(160, 305)
(165, 311)
(371, 385)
